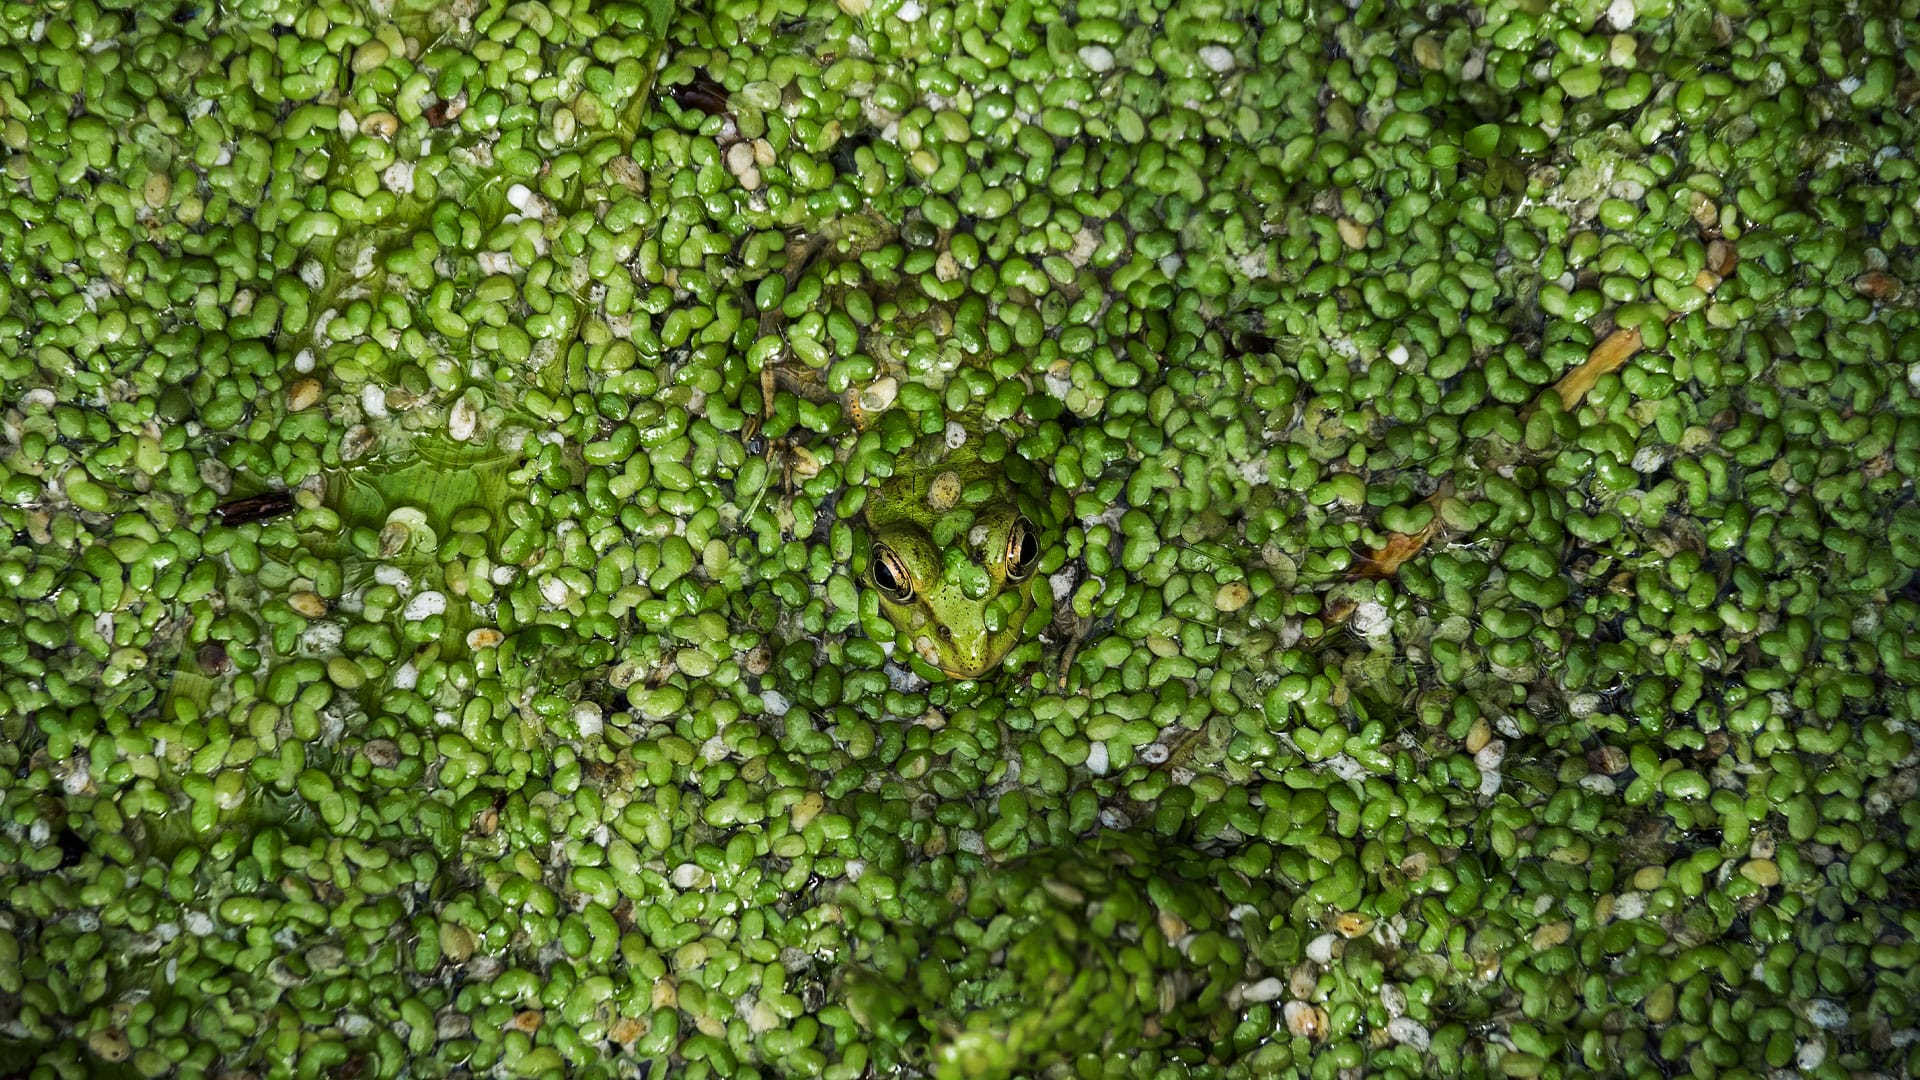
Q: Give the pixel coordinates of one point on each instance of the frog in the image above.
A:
(957, 533)
(956, 538)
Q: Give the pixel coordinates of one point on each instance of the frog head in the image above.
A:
(954, 578)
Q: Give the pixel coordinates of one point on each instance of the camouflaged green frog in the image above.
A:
(959, 530)
(957, 535)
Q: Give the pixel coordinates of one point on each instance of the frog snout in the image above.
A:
(967, 650)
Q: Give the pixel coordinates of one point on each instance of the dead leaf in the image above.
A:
(1386, 561)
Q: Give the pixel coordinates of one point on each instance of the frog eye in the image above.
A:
(1023, 551)
(890, 575)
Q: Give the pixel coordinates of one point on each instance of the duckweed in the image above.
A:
(433, 635)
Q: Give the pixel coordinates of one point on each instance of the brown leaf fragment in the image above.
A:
(1617, 348)
(254, 508)
(1878, 285)
(1607, 357)
(1386, 561)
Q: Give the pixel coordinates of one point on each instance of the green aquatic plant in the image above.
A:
(437, 627)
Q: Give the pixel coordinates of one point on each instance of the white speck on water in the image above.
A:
(389, 574)
(398, 177)
(373, 401)
(1490, 756)
(856, 869)
(198, 923)
(1060, 383)
(303, 361)
(1598, 783)
(1098, 58)
(1346, 768)
(1620, 14)
(321, 637)
(1320, 949)
(1627, 189)
(776, 702)
(739, 158)
(1267, 989)
(910, 11)
(1371, 619)
(406, 676)
(1097, 759)
(587, 717)
(424, 606)
(1648, 459)
(691, 876)
(1393, 999)
(1407, 1030)
(1218, 58)
(759, 1016)
(462, 419)
(554, 591)
(1828, 1015)
(956, 435)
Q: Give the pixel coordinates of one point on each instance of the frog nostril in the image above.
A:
(946, 634)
